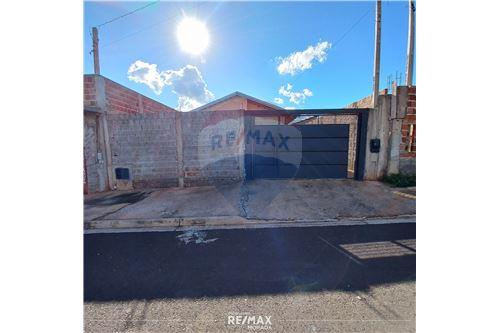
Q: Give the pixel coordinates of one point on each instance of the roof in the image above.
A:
(300, 119)
(239, 94)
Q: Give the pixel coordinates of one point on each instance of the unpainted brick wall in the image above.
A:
(89, 94)
(407, 160)
(409, 120)
(213, 147)
(120, 99)
(146, 144)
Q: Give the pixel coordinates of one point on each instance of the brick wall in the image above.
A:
(213, 147)
(408, 121)
(120, 99)
(89, 93)
(146, 144)
(408, 146)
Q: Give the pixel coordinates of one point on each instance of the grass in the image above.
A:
(401, 180)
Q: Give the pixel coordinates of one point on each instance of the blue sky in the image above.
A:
(248, 42)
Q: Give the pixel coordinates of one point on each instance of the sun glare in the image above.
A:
(193, 36)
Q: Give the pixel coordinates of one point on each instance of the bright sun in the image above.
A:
(193, 36)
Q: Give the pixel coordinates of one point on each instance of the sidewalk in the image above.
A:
(259, 203)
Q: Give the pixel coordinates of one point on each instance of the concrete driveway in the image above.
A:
(250, 202)
(315, 279)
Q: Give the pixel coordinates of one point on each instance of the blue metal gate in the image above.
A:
(301, 151)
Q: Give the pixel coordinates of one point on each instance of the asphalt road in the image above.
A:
(352, 278)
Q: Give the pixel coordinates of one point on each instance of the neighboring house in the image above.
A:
(240, 101)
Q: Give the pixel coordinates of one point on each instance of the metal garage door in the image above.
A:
(302, 151)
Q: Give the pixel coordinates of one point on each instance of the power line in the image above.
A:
(131, 34)
(172, 14)
(136, 32)
(127, 14)
(351, 28)
(197, 7)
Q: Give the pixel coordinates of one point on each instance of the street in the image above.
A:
(344, 278)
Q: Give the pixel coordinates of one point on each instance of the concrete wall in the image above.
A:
(379, 127)
(394, 123)
(365, 102)
(160, 146)
(126, 124)
(146, 144)
(93, 152)
(213, 147)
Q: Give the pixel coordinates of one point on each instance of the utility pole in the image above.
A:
(411, 43)
(95, 50)
(376, 63)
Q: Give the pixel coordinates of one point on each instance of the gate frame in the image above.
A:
(362, 128)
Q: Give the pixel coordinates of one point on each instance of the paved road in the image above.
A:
(352, 278)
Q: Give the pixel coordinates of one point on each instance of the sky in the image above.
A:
(299, 55)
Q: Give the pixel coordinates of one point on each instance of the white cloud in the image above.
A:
(290, 108)
(296, 97)
(142, 72)
(302, 60)
(307, 92)
(278, 100)
(187, 83)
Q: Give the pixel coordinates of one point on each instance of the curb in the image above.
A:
(228, 222)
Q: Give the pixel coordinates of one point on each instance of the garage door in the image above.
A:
(303, 151)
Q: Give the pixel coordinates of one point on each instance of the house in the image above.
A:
(241, 101)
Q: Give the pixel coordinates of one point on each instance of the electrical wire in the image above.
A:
(350, 28)
(127, 14)
(196, 7)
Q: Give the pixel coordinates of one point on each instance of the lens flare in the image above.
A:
(193, 36)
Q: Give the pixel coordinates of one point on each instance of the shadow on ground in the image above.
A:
(214, 263)
(116, 199)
